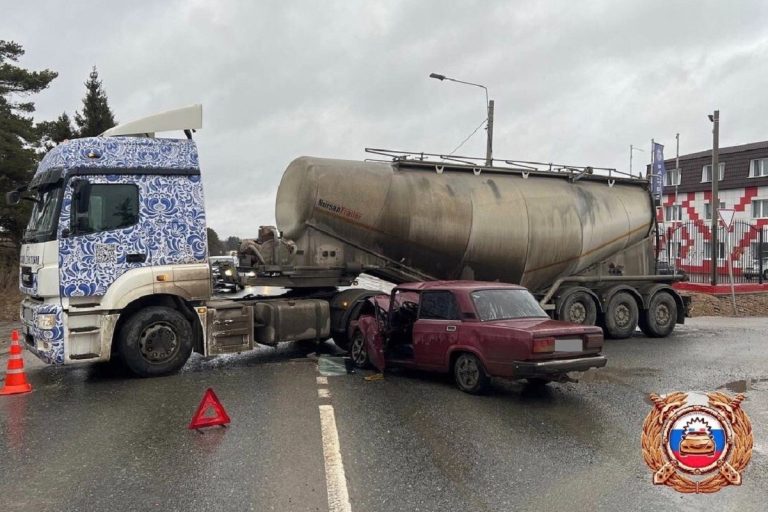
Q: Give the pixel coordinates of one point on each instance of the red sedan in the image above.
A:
(475, 330)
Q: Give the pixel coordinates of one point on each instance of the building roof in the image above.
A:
(723, 151)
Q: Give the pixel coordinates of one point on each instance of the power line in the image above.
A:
(468, 137)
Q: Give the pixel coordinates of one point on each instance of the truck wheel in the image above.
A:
(621, 316)
(155, 341)
(658, 321)
(359, 351)
(578, 308)
(470, 375)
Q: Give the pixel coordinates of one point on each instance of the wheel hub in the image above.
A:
(662, 314)
(621, 315)
(469, 373)
(158, 342)
(578, 313)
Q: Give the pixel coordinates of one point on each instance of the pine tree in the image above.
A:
(18, 136)
(55, 132)
(97, 116)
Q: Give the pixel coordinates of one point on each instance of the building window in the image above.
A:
(706, 172)
(754, 250)
(708, 210)
(672, 178)
(708, 250)
(760, 208)
(673, 213)
(759, 168)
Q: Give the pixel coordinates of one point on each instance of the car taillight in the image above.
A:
(541, 345)
(594, 340)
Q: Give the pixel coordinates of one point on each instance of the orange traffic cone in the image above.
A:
(15, 378)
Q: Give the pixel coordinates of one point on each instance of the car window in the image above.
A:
(506, 304)
(438, 305)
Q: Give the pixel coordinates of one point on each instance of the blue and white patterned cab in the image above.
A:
(116, 219)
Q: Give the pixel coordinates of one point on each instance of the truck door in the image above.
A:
(100, 235)
(436, 329)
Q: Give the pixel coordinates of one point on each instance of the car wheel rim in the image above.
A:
(468, 372)
(621, 315)
(158, 342)
(358, 350)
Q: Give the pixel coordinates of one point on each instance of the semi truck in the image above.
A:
(114, 260)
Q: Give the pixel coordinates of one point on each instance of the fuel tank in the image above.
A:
(456, 222)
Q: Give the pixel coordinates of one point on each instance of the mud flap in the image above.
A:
(374, 342)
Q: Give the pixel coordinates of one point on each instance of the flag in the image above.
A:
(659, 170)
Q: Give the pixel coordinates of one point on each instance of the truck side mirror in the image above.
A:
(12, 198)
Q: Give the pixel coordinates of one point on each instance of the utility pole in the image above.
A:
(715, 204)
(489, 143)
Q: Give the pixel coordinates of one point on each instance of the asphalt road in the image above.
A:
(91, 438)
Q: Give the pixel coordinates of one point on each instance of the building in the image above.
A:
(686, 210)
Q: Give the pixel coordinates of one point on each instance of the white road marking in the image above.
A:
(324, 393)
(322, 380)
(335, 478)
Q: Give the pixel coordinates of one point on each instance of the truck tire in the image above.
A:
(359, 351)
(658, 321)
(578, 308)
(155, 341)
(469, 374)
(621, 316)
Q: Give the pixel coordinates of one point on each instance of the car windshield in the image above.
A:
(506, 305)
(41, 226)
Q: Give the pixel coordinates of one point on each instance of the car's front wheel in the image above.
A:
(359, 351)
(469, 374)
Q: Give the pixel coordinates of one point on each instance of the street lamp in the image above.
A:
(489, 105)
(632, 149)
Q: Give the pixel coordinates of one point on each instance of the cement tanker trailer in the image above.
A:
(582, 241)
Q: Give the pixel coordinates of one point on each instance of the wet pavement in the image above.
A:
(92, 438)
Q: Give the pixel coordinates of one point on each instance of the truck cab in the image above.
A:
(118, 227)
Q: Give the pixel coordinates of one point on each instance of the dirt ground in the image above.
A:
(755, 304)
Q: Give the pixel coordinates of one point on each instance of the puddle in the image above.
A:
(332, 366)
(744, 385)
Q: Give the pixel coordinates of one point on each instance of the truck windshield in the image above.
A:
(506, 305)
(45, 214)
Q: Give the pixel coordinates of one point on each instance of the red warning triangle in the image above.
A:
(210, 412)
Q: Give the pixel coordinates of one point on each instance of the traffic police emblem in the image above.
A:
(697, 443)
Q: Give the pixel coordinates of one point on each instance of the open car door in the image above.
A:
(372, 328)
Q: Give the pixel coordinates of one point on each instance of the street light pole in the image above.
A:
(715, 204)
(632, 149)
(489, 120)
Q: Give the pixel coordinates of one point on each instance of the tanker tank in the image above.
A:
(459, 222)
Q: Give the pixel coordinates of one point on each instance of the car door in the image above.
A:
(436, 329)
(101, 235)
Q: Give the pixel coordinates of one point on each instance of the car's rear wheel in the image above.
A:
(621, 316)
(578, 308)
(658, 321)
(359, 351)
(469, 374)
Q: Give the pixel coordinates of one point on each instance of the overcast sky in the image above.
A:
(574, 81)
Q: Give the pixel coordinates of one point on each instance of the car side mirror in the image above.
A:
(12, 198)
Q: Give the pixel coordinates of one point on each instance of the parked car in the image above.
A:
(475, 330)
(663, 268)
(753, 272)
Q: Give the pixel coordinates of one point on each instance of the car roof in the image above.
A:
(458, 285)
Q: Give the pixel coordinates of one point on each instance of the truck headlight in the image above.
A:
(46, 322)
(228, 272)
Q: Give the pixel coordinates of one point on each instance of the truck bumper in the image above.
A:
(525, 369)
(46, 343)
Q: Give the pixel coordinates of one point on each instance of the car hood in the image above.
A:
(544, 326)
